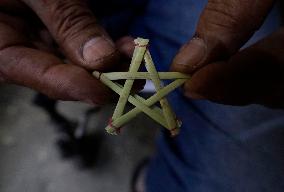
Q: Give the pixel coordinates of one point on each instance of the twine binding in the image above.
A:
(114, 129)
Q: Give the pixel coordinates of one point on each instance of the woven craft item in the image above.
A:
(163, 115)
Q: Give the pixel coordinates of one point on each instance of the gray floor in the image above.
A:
(30, 161)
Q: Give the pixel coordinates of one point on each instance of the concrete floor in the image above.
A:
(31, 162)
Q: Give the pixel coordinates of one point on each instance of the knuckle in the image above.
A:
(225, 15)
(71, 17)
(8, 40)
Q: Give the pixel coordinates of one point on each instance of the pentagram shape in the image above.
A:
(164, 115)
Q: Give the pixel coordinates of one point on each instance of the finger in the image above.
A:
(44, 72)
(224, 26)
(254, 75)
(76, 30)
(126, 46)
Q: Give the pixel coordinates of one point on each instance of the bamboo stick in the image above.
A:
(138, 56)
(149, 102)
(168, 113)
(144, 75)
(164, 115)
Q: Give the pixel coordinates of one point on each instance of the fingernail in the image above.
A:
(97, 48)
(192, 54)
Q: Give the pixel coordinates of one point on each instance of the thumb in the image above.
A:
(77, 32)
(224, 26)
(253, 75)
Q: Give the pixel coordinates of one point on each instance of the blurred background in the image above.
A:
(68, 151)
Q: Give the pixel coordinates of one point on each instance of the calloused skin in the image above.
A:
(223, 74)
(29, 31)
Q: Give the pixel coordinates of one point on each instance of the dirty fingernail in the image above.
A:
(97, 48)
(191, 55)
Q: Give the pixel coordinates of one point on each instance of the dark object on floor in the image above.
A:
(84, 149)
(73, 140)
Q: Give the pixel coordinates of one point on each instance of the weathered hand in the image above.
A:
(222, 74)
(252, 76)
(28, 57)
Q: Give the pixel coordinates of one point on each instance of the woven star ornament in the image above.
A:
(164, 115)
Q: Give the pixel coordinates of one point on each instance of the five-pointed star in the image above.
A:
(164, 115)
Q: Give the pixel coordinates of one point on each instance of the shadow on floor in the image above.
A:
(31, 149)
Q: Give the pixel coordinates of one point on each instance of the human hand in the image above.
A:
(28, 57)
(219, 73)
